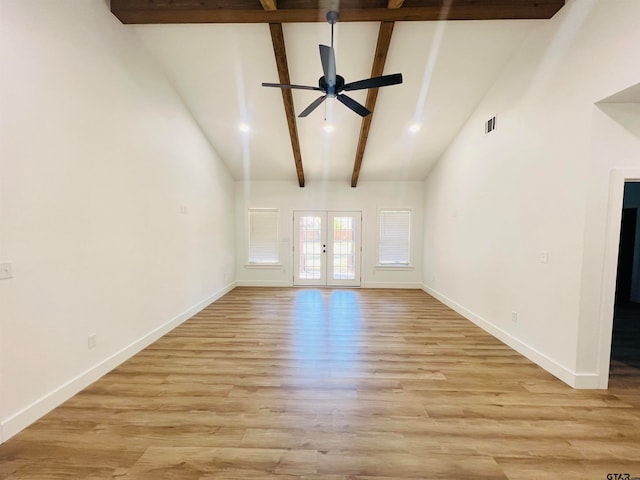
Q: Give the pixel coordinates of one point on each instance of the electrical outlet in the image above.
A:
(544, 257)
(6, 270)
(514, 317)
(92, 340)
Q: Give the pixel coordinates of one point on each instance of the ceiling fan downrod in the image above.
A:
(332, 18)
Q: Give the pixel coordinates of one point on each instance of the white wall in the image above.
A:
(539, 183)
(97, 157)
(367, 197)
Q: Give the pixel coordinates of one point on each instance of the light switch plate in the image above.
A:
(6, 270)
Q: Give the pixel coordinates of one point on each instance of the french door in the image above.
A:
(326, 248)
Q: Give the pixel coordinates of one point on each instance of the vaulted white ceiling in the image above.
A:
(447, 67)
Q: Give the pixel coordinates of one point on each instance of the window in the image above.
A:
(395, 235)
(263, 236)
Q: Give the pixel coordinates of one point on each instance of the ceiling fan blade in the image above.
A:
(286, 85)
(353, 105)
(374, 82)
(313, 106)
(328, 59)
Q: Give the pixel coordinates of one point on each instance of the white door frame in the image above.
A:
(610, 270)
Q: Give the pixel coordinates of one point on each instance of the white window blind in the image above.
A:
(395, 233)
(263, 236)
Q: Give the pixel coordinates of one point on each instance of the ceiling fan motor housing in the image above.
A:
(331, 90)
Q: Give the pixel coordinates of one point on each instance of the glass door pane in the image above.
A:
(343, 237)
(310, 248)
(344, 248)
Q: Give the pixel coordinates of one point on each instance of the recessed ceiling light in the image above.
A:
(244, 127)
(328, 127)
(414, 128)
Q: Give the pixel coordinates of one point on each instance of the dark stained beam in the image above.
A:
(277, 38)
(382, 48)
(268, 4)
(199, 11)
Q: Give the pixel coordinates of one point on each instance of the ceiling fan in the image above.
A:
(332, 85)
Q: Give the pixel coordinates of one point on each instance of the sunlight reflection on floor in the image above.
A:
(326, 337)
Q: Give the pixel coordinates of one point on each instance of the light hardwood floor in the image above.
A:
(332, 384)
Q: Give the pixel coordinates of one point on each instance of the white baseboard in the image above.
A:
(263, 283)
(409, 285)
(25, 417)
(588, 381)
(282, 283)
(573, 379)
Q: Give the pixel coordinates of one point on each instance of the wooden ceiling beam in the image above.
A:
(382, 48)
(277, 38)
(269, 5)
(196, 11)
(395, 3)
(379, 59)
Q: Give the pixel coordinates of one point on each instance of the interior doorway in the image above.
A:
(626, 253)
(327, 248)
(625, 345)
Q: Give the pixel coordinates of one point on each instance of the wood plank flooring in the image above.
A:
(332, 384)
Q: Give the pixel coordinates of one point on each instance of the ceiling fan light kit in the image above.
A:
(332, 84)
